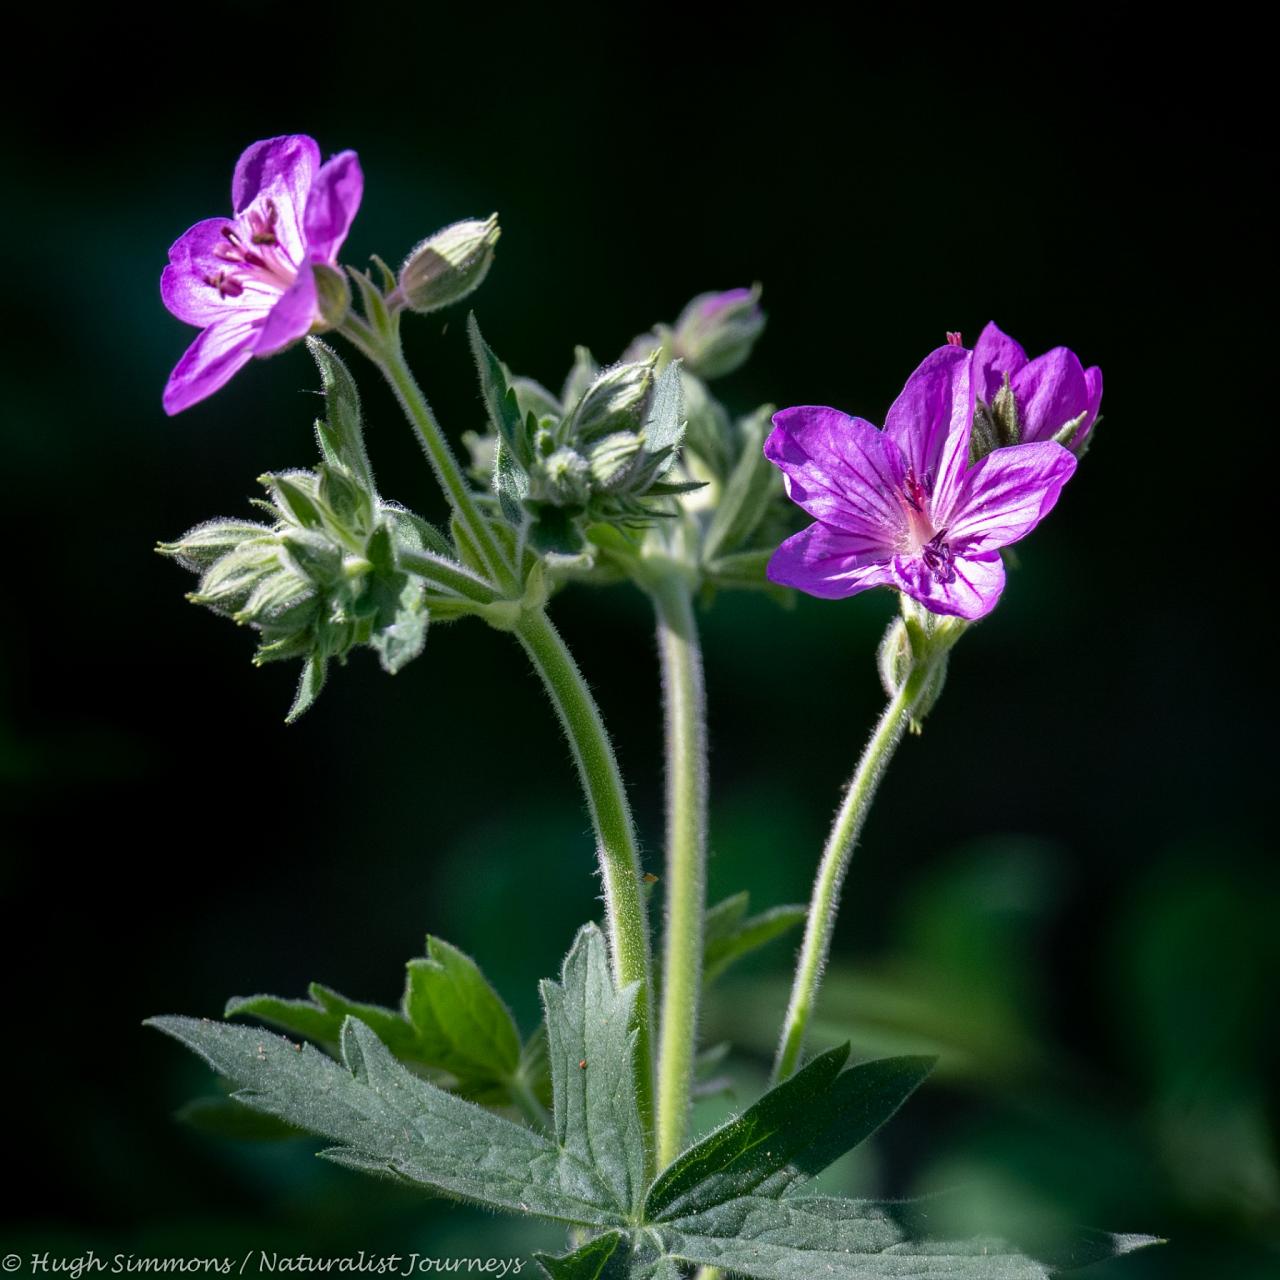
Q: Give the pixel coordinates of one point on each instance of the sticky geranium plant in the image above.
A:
(632, 471)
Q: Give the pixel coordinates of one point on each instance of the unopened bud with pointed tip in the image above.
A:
(449, 265)
(716, 331)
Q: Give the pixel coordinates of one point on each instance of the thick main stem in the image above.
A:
(825, 902)
(684, 704)
(611, 817)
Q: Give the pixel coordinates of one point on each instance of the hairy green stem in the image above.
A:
(388, 355)
(684, 704)
(616, 843)
(440, 572)
(825, 902)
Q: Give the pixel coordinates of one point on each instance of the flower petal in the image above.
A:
(331, 206)
(267, 168)
(210, 361)
(994, 355)
(1006, 495)
(839, 469)
(1093, 384)
(184, 283)
(1049, 392)
(292, 317)
(826, 562)
(972, 593)
(932, 418)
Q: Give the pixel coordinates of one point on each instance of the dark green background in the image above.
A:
(1066, 882)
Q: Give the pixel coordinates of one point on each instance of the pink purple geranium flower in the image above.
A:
(903, 507)
(248, 280)
(1049, 392)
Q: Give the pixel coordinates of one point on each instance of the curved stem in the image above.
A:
(616, 844)
(825, 902)
(684, 703)
(389, 357)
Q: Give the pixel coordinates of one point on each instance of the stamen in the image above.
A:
(954, 339)
(938, 558)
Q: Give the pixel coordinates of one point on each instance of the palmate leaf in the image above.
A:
(731, 1200)
(387, 1120)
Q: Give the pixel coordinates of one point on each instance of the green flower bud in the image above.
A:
(564, 478)
(614, 458)
(618, 400)
(449, 265)
(716, 331)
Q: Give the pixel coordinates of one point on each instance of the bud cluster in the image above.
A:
(322, 576)
(598, 454)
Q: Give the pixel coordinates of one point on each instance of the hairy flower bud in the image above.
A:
(716, 331)
(449, 265)
(617, 400)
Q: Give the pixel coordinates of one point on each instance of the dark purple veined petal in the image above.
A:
(829, 563)
(1050, 392)
(211, 360)
(1006, 494)
(332, 204)
(292, 317)
(931, 419)
(839, 469)
(185, 284)
(994, 355)
(974, 587)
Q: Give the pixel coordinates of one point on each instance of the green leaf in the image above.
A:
(340, 433)
(387, 1120)
(664, 427)
(403, 638)
(803, 1237)
(592, 1044)
(461, 1022)
(412, 530)
(728, 937)
(790, 1135)
(751, 485)
(391, 1027)
(598, 1259)
(302, 1017)
(499, 397)
(510, 483)
(223, 1117)
(294, 494)
(315, 670)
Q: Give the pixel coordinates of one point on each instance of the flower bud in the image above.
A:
(716, 331)
(618, 400)
(447, 266)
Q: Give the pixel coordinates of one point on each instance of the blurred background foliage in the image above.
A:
(1067, 887)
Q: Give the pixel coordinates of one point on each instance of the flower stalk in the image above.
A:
(626, 920)
(931, 639)
(386, 352)
(684, 707)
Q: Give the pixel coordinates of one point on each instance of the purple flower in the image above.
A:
(903, 507)
(247, 281)
(1048, 392)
